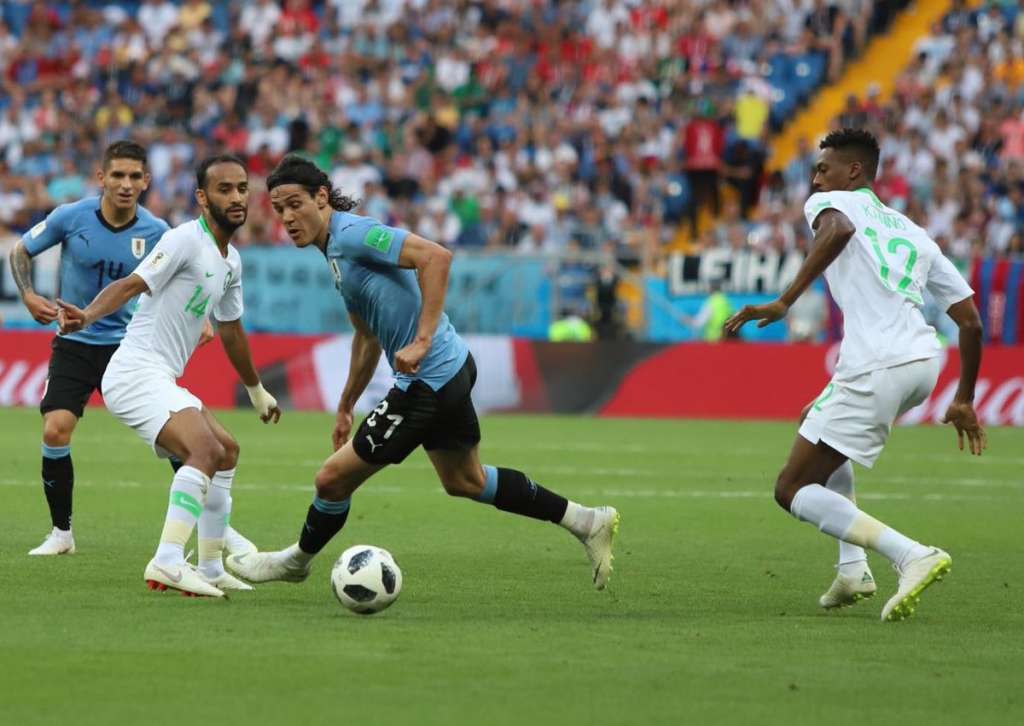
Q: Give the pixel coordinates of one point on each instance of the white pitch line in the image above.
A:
(389, 490)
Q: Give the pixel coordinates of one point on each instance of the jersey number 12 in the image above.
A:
(903, 288)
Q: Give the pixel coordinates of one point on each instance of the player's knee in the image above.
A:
(56, 432)
(784, 489)
(230, 458)
(330, 483)
(207, 456)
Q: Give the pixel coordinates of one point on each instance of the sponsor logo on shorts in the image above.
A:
(379, 238)
(373, 446)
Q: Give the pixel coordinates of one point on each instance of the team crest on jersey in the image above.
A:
(336, 271)
(139, 247)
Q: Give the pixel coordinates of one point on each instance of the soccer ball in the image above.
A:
(366, 579)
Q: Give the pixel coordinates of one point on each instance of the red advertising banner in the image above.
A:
(692, 380)
(744, 381)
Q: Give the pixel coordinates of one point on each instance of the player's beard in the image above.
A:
(220, 216)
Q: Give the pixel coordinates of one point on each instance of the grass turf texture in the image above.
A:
(711, 616)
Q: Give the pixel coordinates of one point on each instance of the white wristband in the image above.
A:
(261, 400)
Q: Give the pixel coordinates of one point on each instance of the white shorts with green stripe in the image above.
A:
(855, 416)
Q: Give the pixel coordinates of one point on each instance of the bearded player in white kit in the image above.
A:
(193, 272)
(876, 262)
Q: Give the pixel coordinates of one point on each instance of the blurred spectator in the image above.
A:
(599, 121)
(570, 328)
(716, 309)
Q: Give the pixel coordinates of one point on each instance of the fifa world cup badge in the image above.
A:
(138, 247)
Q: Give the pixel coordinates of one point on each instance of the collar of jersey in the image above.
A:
(206, 228)
(870, 193)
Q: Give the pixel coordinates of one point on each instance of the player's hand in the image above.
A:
(764, 314)
(342, 428)
(264, 403)
(407, 360)
(70, 318)
(963, 417)
(207, 335)
(42, 310)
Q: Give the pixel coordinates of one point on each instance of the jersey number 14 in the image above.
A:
(196, 306)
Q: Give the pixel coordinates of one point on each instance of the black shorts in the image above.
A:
(76, 370)
(419, 415)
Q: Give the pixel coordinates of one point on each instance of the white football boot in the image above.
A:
(178, 577)
(268, 566)
(235, 543)
(226, 581)
(598, 543)
(57, 542)
(915, 577)
(849, 588)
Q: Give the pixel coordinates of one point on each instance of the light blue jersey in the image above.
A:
(363, 255)
(94, 254)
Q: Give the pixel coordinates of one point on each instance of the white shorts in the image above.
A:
(143, 399)
(855, 416)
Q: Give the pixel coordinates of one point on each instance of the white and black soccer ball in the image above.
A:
(366, 579)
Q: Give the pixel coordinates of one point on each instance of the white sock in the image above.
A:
(835, 515)
(213, 522)
(841, 482)
(578, 519)
(188, 492)
(295, 557)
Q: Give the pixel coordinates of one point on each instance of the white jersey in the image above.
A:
(877, 282)
(188, 280)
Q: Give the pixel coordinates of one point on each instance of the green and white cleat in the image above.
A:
(57, 542)
(599, 542)
(915, 577)
(849, 589)
(178, 577)
(227, 581)
(268, 566)
(236, 544)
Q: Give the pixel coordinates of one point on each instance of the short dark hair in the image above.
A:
(125, 149)
(295, 169)
(205, 164)
(860, 142)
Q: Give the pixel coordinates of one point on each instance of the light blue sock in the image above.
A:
(490, 485)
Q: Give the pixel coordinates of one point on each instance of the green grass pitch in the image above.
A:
(711, 616)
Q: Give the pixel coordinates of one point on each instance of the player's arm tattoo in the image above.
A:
(833, 231)
(21, 268)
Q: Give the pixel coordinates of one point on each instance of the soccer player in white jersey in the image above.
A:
(193, 272)
(876, 262)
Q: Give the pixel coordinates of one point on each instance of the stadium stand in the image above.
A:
(539, 126)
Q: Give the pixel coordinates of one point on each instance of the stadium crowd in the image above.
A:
(952, 138)
(525, 124)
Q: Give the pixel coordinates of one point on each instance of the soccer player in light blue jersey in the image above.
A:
(394, 283)
(102, 239)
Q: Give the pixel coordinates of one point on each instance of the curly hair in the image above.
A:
(861, 143)
(294, 169)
